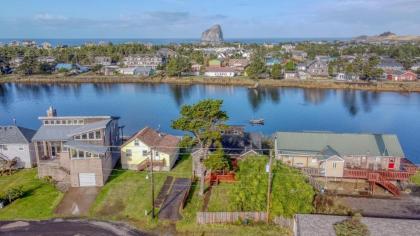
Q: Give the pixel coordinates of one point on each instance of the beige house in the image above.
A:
(329, 154)
(79, 151)
(136, 152)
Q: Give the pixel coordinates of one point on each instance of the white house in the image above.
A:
(290, 75)
(220, 72)
(138, 70)
(15, 142)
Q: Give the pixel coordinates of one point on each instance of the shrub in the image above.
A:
(351, 227)
(12, 194)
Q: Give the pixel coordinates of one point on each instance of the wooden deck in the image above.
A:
(388, 175)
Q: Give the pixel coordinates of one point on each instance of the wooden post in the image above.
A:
(152, 182)
(270, 174)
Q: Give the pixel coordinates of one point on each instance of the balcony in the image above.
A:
(387, 174)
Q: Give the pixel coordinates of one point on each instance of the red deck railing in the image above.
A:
(387, 174)
(221, 177)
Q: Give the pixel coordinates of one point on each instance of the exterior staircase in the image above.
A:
(147, 163)
(377, 178)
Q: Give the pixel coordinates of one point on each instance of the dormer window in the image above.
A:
(136, 142)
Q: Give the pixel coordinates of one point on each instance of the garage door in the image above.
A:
(87, 179)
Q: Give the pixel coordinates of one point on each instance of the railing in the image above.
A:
(229, 217)
(147, 163)
(312, 171)
(387, 174)
(220, 178)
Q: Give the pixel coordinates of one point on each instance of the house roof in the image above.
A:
(341, 144)
(165, 143)
(90, 127)
(97, 149)
(308, 225)
(54, 132)
(15, 134)
(239, 144)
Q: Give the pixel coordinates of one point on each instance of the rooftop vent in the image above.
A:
(51, 112)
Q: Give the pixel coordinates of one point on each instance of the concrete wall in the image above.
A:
(24, 152)
(92, 165)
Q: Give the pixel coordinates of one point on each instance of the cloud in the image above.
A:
(49, 17)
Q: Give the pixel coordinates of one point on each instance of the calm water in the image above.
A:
(166, 41)
(286, 109)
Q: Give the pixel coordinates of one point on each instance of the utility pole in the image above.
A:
(270, 176)
(152, 182)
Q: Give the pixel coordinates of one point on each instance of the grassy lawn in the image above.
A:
(39, 201)
(416, 178)
(220, 198)
(127, 196)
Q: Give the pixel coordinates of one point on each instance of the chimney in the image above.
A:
(51, 112)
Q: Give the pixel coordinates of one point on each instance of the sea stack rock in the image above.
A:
(214, 35)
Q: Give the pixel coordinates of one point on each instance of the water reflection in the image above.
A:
(261, 95)
(315, 96)
(180, 93)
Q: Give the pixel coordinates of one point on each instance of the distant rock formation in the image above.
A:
(214, 35)
(389, 37)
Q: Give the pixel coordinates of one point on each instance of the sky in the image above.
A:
(188, 18)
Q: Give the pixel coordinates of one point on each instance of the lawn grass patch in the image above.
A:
(39, 200)
(416, 178)
(221, 198)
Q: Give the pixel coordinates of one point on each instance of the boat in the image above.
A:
(257, 121)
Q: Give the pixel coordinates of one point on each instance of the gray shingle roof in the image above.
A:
(342, 144)
(15, 134)
(97, 149)
(308, 225)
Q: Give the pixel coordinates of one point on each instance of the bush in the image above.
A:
(327, 204)
(351, 227)
(12, 194)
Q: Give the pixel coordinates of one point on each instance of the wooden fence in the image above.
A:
(229, 217)
(316, 184)
(284, 222)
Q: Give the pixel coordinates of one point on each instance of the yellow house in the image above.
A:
(136, 152)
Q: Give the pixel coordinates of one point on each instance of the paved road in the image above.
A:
(172, 204)
(65, 228)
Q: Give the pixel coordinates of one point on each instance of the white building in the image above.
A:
(144, 60)
(140, 71)
(15, 142)
(220, 72)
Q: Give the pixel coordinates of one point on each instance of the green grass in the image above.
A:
(127, 196)
(416, 178)
(221, 198)
(38, 202)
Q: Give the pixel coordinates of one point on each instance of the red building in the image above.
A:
(402, 75)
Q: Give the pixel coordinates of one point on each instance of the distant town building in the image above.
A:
(46, 59)
(398, 75)
(143, 60)
(290, 75)
(137, 70)
(271, 61)
(288, 48)
(299, 55)
(220, 72)
(318, 68)
(109, 70)
(103, 61)
(387, 64)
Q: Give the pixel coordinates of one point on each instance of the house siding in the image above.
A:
(24, 153)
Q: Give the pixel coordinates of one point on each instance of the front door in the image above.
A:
(391, 164)
(53, 151)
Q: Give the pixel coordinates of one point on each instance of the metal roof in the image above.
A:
(90, 127)
(15, 134)
(343, 144)
(54, 132)
(97, 149)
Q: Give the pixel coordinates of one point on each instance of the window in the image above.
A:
(77, 137)
(95, 155)
(46, 122)
(73, 153)
(81, 154)
(334, 165)
(128, 153)
(80, 122)
(136, 142)
(144, 153)
(84, 136)
(88, 155)
(65, 149)
(21, 148)
(98, 134)
(157, 154)
(3, 147)
(91, 135)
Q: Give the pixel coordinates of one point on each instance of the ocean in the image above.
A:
(167, 41)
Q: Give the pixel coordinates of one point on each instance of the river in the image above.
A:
(284, 109)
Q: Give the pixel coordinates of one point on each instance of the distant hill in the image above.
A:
(388, 36)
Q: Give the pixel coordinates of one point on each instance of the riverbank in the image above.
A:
(236, 81)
